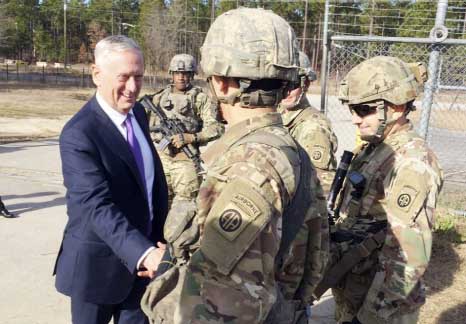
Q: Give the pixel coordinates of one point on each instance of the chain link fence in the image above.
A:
(446, 133)
(47, 75)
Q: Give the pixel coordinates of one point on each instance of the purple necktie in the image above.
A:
(135, 148)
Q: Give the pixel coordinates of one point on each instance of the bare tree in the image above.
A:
(160, 38)
(4, 23)
(166, 31)
(95, 33)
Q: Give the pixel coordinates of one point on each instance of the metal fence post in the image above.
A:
(7, 72)
(431, 83)
(324, 65)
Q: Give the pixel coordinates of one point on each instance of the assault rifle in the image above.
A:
(337, 183)
(371, 236)
(168, 127)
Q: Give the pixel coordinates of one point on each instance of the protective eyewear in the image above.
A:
(362, 110)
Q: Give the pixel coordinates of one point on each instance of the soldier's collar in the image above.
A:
(237, 131)
(174, 90)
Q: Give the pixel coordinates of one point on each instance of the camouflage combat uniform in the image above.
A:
(313, 131)
(246, 191)
(194, 109)
(260, 206)
(403, 182)
(387, 203)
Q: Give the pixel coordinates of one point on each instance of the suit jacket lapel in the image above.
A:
(116, 142)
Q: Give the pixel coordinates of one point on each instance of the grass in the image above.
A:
(52, 103)
(43, 103)
(445, 277)
(450, 227)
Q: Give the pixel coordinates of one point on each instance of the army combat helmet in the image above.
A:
(305, 75)
(381, 80)
(182, 63)
(251, 44)
(305, 68)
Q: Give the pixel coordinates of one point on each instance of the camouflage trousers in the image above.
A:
(350, 298)
(182, 178)
(352, 291)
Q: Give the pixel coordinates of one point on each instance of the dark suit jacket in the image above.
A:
(108, 212)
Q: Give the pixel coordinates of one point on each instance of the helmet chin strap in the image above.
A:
(386, 122)
(294, 104)
(251, 100)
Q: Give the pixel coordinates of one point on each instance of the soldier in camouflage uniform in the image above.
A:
(386, 208)
(193, 109)
(308, 126)
(313, 131)
(261, 200)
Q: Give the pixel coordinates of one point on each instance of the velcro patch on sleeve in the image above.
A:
(318, 149)
(238, 216)
(408, 192)
(317, 153)
(405, 198)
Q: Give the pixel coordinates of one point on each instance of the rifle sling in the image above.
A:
(352, 257)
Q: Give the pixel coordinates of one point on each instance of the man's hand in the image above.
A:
(180, 140)
(151, 261)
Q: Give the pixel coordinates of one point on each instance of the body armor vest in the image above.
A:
(181, 107)
(374, 163)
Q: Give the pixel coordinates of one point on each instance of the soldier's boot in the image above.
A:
(5, 212)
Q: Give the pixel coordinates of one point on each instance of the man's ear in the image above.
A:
(222, 83)
(398, 108)
(96, 75)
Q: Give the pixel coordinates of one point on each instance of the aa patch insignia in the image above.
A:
(236, 216)
(404, 200)
(406, 197)
(316, 155)
(230, 220)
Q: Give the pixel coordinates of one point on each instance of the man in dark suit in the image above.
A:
(116, 194)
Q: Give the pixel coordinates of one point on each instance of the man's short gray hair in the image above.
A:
(114, 43)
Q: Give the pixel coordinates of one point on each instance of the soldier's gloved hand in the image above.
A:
(180, 140)
(156, 136)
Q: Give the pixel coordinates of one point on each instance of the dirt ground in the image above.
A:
(37, 113)
(446, 274)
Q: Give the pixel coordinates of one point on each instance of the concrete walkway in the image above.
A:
(31, 186)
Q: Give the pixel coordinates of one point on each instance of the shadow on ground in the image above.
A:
(25, 207)
(454, 315)
(46, 141)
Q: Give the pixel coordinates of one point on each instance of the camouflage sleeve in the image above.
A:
(211, 127)
(319, 141)
(410, 202)
(309, 252)
(231, 277)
